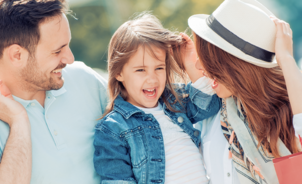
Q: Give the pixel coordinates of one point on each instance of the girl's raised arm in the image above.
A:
(189, 56)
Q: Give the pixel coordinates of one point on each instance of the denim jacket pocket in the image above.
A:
(137, 143)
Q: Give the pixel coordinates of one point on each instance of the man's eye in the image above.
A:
(140, 70)
(58, 52)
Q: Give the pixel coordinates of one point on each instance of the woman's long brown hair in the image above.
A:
(261, 91)
(146, 31)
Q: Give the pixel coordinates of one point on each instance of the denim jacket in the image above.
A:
(129, 146)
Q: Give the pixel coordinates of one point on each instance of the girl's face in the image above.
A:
(219, 88)
(144, 77)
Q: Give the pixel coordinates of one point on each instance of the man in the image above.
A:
(47, 127)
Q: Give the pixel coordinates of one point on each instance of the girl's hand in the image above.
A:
(189, 55)
(284, 42)
(10, 110)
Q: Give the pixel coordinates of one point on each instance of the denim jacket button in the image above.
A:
(149, 119)
(196, 133)
(180, 119)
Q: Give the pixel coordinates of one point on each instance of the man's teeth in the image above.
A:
(57, 71)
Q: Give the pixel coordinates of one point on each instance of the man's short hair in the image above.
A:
(20, 20)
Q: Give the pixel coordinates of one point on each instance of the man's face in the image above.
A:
(44, 72)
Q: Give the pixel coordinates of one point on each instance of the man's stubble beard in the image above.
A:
(36, 80)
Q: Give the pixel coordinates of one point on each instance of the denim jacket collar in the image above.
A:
(126, 109)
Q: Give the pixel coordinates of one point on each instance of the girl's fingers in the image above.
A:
(185, 36)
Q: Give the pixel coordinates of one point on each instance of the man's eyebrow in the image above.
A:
(60, 47)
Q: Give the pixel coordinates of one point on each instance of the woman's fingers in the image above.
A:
(4, 90)
(284, 42)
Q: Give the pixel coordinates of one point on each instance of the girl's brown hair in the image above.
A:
(145, 30)
(261, 91)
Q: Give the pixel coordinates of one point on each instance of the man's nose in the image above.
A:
(68, 57)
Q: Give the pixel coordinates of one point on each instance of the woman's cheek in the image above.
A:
(222, 91)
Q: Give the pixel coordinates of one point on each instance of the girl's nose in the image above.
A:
(152, 78)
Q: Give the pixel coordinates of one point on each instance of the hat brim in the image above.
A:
(198, 24)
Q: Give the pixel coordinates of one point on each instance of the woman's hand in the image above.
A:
(284, 42)
(285, 59)
(190, 58)
(10, 110)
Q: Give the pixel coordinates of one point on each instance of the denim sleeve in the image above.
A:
(111, 158)
(200, 106)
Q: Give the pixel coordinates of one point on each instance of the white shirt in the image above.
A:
(184, 162)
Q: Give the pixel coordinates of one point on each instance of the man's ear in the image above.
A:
(119, 77)
(16, 54)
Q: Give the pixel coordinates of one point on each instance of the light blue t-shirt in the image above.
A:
(63, 132)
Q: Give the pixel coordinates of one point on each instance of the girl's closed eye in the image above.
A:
(140, 70)
(160, 68)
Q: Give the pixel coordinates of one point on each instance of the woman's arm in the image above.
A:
(16, 162)
(285, 59)
(111, 158)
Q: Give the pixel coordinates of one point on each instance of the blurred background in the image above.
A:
(97, 20)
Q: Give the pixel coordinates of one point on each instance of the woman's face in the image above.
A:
(219, 88)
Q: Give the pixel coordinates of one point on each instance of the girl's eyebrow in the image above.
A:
(145, 66)
(139, 66)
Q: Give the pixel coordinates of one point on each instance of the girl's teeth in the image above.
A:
(149, 92)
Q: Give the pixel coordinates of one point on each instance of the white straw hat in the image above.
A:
(242, 28)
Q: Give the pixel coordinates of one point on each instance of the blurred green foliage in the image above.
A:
(97, 21)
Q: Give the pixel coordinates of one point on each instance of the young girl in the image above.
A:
(147, 135)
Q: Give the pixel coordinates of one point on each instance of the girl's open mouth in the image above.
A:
(149, 92)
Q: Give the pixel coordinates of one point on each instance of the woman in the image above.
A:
(261, 108)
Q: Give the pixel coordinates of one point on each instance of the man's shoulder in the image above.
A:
(80, 72)
(78, 67)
